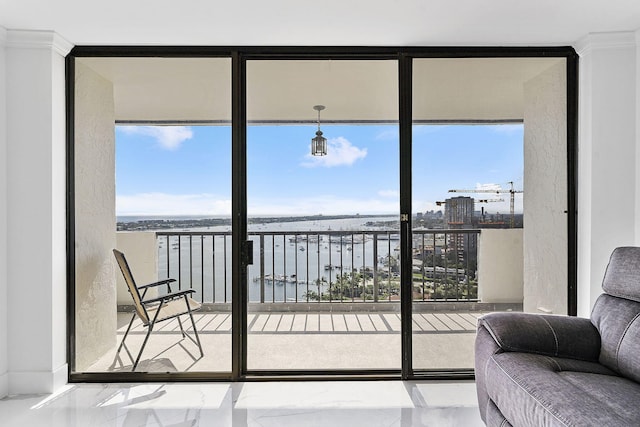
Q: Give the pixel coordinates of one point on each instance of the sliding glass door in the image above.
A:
(152, 180)
(324, 286)
(489, 156)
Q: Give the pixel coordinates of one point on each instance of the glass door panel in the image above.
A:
(153, 179)
(324, 286)
(483, 139)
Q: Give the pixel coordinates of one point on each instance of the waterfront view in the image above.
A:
(329, 283)
(319, 285)
(313, 259)
(327, 286)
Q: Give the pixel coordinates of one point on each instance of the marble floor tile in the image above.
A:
(255, 404)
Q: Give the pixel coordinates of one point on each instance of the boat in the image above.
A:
(347, 239)
(302, 238)
(389, 237)
(279, 279)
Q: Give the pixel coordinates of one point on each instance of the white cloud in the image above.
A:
(488, 186)
(340, 152)
(168, 137)
(150, 204)
(500, 202)
(389, 193)
(173, 204)
(389, 135)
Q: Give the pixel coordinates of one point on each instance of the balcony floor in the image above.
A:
(300, 341)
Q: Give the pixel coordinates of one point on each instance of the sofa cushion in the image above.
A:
(618, 322)
(534, 390)
(622, 278)
(550, 335)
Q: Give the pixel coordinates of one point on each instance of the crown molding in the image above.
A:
(613, 40)
(29, 39)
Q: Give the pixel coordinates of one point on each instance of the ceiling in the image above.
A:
(199, 89)
(330, 22)
(145, 89)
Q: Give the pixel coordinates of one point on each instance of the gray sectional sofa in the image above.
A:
(547, 370)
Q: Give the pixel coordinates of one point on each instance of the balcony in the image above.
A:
(324, 299)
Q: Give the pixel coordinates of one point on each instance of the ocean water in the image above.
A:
(291, 258)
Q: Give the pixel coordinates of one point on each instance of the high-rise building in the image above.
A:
(458, 212)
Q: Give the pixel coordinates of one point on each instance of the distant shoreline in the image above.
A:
(139, 223)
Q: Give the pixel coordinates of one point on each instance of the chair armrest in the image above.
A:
(161, 282)
(551, 335)
(169, 297)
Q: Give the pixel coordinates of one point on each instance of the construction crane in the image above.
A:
(482, 207)
(511, 192)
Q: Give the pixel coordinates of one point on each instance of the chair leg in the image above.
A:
(184, 334)
(195, 331)
(144, 343)
(126, 333)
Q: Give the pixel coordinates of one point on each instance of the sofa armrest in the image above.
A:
(551, 335)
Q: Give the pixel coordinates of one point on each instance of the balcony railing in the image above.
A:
(324, 266)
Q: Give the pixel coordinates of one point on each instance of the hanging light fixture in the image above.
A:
(319, 143)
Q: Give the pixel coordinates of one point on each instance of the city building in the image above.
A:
(459, 212)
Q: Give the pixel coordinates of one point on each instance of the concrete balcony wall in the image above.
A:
(141, 251)
(500, 266)
(94, 152)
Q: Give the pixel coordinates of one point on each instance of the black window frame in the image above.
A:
(239, 57)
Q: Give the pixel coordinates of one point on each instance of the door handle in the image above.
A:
(248, 252)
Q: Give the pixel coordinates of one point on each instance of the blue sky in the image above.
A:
(187, 170)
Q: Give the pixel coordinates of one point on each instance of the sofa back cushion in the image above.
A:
(618, 321)
(622, 277)
(616, 314)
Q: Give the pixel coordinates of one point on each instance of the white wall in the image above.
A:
(35, 203)
(94, 153)
(500, 267)
(4, 381)
(608, 158)
(545, 192)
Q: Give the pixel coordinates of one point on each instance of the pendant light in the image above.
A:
(319, 143)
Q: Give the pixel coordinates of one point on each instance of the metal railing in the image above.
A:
(324, 266)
